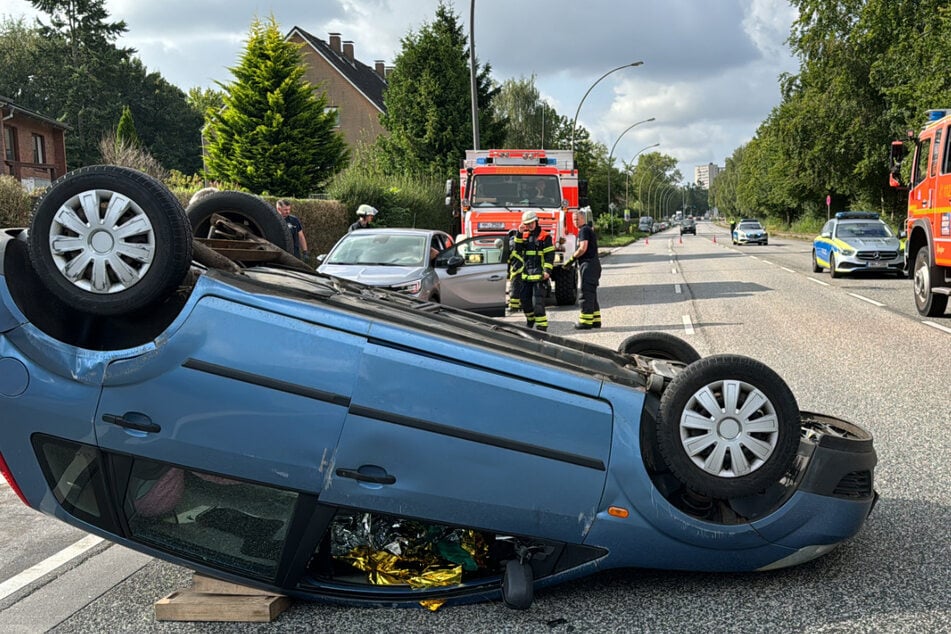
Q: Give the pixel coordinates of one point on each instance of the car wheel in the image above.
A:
(566, 286)
(259, 217)
(110, 240)
(927, 302)
(728, 426)
(835, 274)
(659, 345)
(518, 589)
(815, 263)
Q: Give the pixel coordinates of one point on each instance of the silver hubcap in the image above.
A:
(729, 428)
(102, 241)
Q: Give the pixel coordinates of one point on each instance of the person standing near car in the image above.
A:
(589, 269)
(537, 251)
(296, 229)
(365, 214)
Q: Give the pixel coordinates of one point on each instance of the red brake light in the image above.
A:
(5, 470)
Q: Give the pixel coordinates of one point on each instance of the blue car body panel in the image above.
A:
(357, 401)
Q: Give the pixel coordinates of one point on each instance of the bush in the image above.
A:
(15, 203)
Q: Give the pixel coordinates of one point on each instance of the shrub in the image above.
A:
(15, 203)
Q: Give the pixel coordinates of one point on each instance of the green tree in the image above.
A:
(428, 104)
(125, 131)
(273, 135)
(529, 121)
(203, 100)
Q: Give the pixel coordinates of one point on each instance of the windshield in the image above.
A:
(524, 190)
(750, 226)
(380, 250)
(863, 230)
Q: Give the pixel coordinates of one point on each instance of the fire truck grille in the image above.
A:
(877, 255)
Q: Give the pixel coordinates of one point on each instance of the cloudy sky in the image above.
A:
(709, 77)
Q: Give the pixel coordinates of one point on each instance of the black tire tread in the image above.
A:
(264, 221)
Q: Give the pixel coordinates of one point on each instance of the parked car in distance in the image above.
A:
(425, 264)
(689, 225)
(750, 232)
(645, 224)
(856, 241)
(317, 437)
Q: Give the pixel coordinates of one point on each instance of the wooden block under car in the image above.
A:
(213, 600)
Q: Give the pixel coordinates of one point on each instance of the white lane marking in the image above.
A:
(927, 323)
(677, 288)
(866, 299)
(688, 326)
(674, 270)
(812, 279)
(46, 566)
(788, 269)
(755, 257)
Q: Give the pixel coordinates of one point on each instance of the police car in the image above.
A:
(857, 241)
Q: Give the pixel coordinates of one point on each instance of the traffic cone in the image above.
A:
(681, 239)
(714, 238)
(647, 240)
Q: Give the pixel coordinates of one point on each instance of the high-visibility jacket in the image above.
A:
(537, 252)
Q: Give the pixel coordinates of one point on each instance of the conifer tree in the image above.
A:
(273, 135)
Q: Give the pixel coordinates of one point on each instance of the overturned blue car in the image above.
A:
(263, 424)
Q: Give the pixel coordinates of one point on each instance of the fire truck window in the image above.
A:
(921, 162)
(946, 163)
(934, 156)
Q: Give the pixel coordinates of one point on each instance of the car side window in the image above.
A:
(204, 517)
(826, 229)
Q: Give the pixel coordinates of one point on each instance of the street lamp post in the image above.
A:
(611, 169)
(472, 77)
(574, 123)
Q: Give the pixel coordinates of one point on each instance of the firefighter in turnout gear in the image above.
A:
(589, 267)
(515, 275)
(535, 248)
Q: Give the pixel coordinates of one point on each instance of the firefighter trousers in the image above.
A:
(590, 271)
(533, 303)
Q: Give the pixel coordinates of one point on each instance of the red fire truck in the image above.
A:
(928, 225)
(496, 186)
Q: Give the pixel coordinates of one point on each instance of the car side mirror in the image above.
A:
(454, 262)
(321, 258)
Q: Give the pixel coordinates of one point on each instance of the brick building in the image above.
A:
(32, 146)
(353, 89)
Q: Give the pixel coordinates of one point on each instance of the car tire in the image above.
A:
(659, 345)
(131, 255)
(728, 426)
(518, 585)
(566, 285)
(254, 213)
(815, 263)
(928, 303)
(835, 274)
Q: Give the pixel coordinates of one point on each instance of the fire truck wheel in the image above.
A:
(659, 345)
(928, 303)
(254, 213)
(109, 240)
(728, 426)
(566, 286)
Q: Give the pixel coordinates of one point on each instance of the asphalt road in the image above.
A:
(852, 348)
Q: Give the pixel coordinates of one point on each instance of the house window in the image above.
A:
(335, 112)
(10, 143)
(39, 149)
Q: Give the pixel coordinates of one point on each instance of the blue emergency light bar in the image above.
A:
(857, 215)
(936, 113)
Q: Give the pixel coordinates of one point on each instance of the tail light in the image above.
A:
(5, 470)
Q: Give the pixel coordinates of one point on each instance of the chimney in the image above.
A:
(335, 42)
(348, 49)
(380, 68)
(389, 69)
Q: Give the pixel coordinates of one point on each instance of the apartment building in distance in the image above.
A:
(705, 174)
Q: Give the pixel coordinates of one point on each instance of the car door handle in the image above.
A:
(362, 477)
(496, 278)
(133, 420)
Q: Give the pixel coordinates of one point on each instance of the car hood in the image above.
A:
(373, 275)
(872, 243)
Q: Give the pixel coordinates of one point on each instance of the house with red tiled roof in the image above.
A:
(32, 146)
(354, 90)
